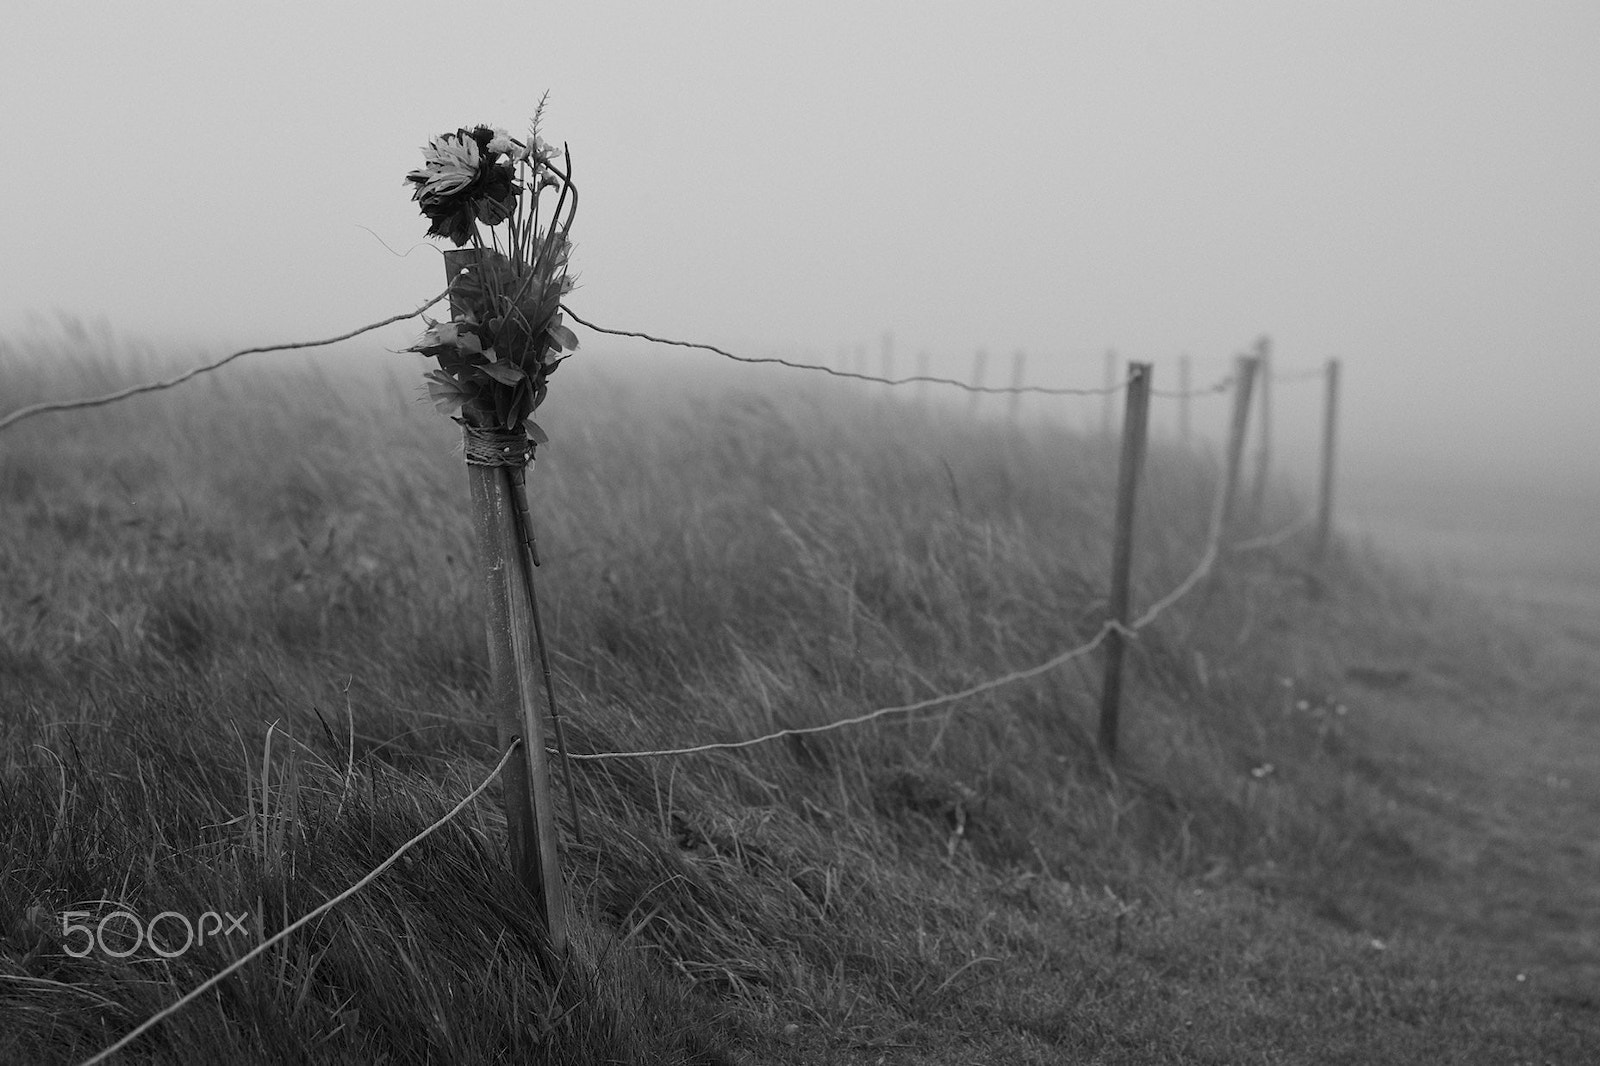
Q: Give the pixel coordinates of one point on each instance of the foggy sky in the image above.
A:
(1409, 186)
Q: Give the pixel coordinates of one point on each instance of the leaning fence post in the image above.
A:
(1222, 514)
(1258, 495)
(530, 811)
(1330, 415)
(1135, 424)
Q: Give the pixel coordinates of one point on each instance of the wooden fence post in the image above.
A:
(1330, 416)
(1258, 496)
(1108, 406)
(1183, 400)
(502, 564)
(1019, 369)
(979, 364)
(1222, 515)
(1135, 424)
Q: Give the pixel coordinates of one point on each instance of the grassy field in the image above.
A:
(241, 662)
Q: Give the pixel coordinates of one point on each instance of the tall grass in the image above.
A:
(241, 660)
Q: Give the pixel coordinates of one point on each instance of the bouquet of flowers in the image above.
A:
(481, 189)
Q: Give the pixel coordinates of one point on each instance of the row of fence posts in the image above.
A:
(1248, 370)
(506, 555)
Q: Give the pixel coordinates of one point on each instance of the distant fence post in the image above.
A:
(980, 362)
(502, 564)
(1019, 369)
(1330, 416)
(1183, 400)
(1258, 495)
(1108, 406)
(1135, 425)
(1222, 515)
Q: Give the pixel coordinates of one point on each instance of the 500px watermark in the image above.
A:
(128, 925)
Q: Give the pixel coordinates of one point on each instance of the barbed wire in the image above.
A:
(155, 386)
(215, 978)
(856, 375)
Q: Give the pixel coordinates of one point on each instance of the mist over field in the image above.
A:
(1408, 187)
(835, 655)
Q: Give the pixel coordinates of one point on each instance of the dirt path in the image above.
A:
(1501, 787)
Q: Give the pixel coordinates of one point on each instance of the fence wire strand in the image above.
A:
(1207, 562)
(855, 375)
(870, 716)
(156, 386)
(1289, 377)
(300, 922)
(1223, 385)
(1272, 540)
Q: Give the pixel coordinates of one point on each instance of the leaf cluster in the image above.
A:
(505, 337)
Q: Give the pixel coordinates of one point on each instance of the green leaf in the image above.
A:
(504, 373)
(535, 433)
(563, 337)
(447, 399)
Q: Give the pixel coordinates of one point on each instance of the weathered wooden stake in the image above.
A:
(1258, 495)
(980, 362)
(1183, 399)
(1108, 408)
(1330, 416)
(1019, 369)
(530, 812)
(1222, 514)
(1135, 425)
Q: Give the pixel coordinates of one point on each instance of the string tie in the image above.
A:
(496, 447)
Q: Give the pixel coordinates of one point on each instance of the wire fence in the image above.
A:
(1155, 610)
(1209, 557)
(52, 406)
